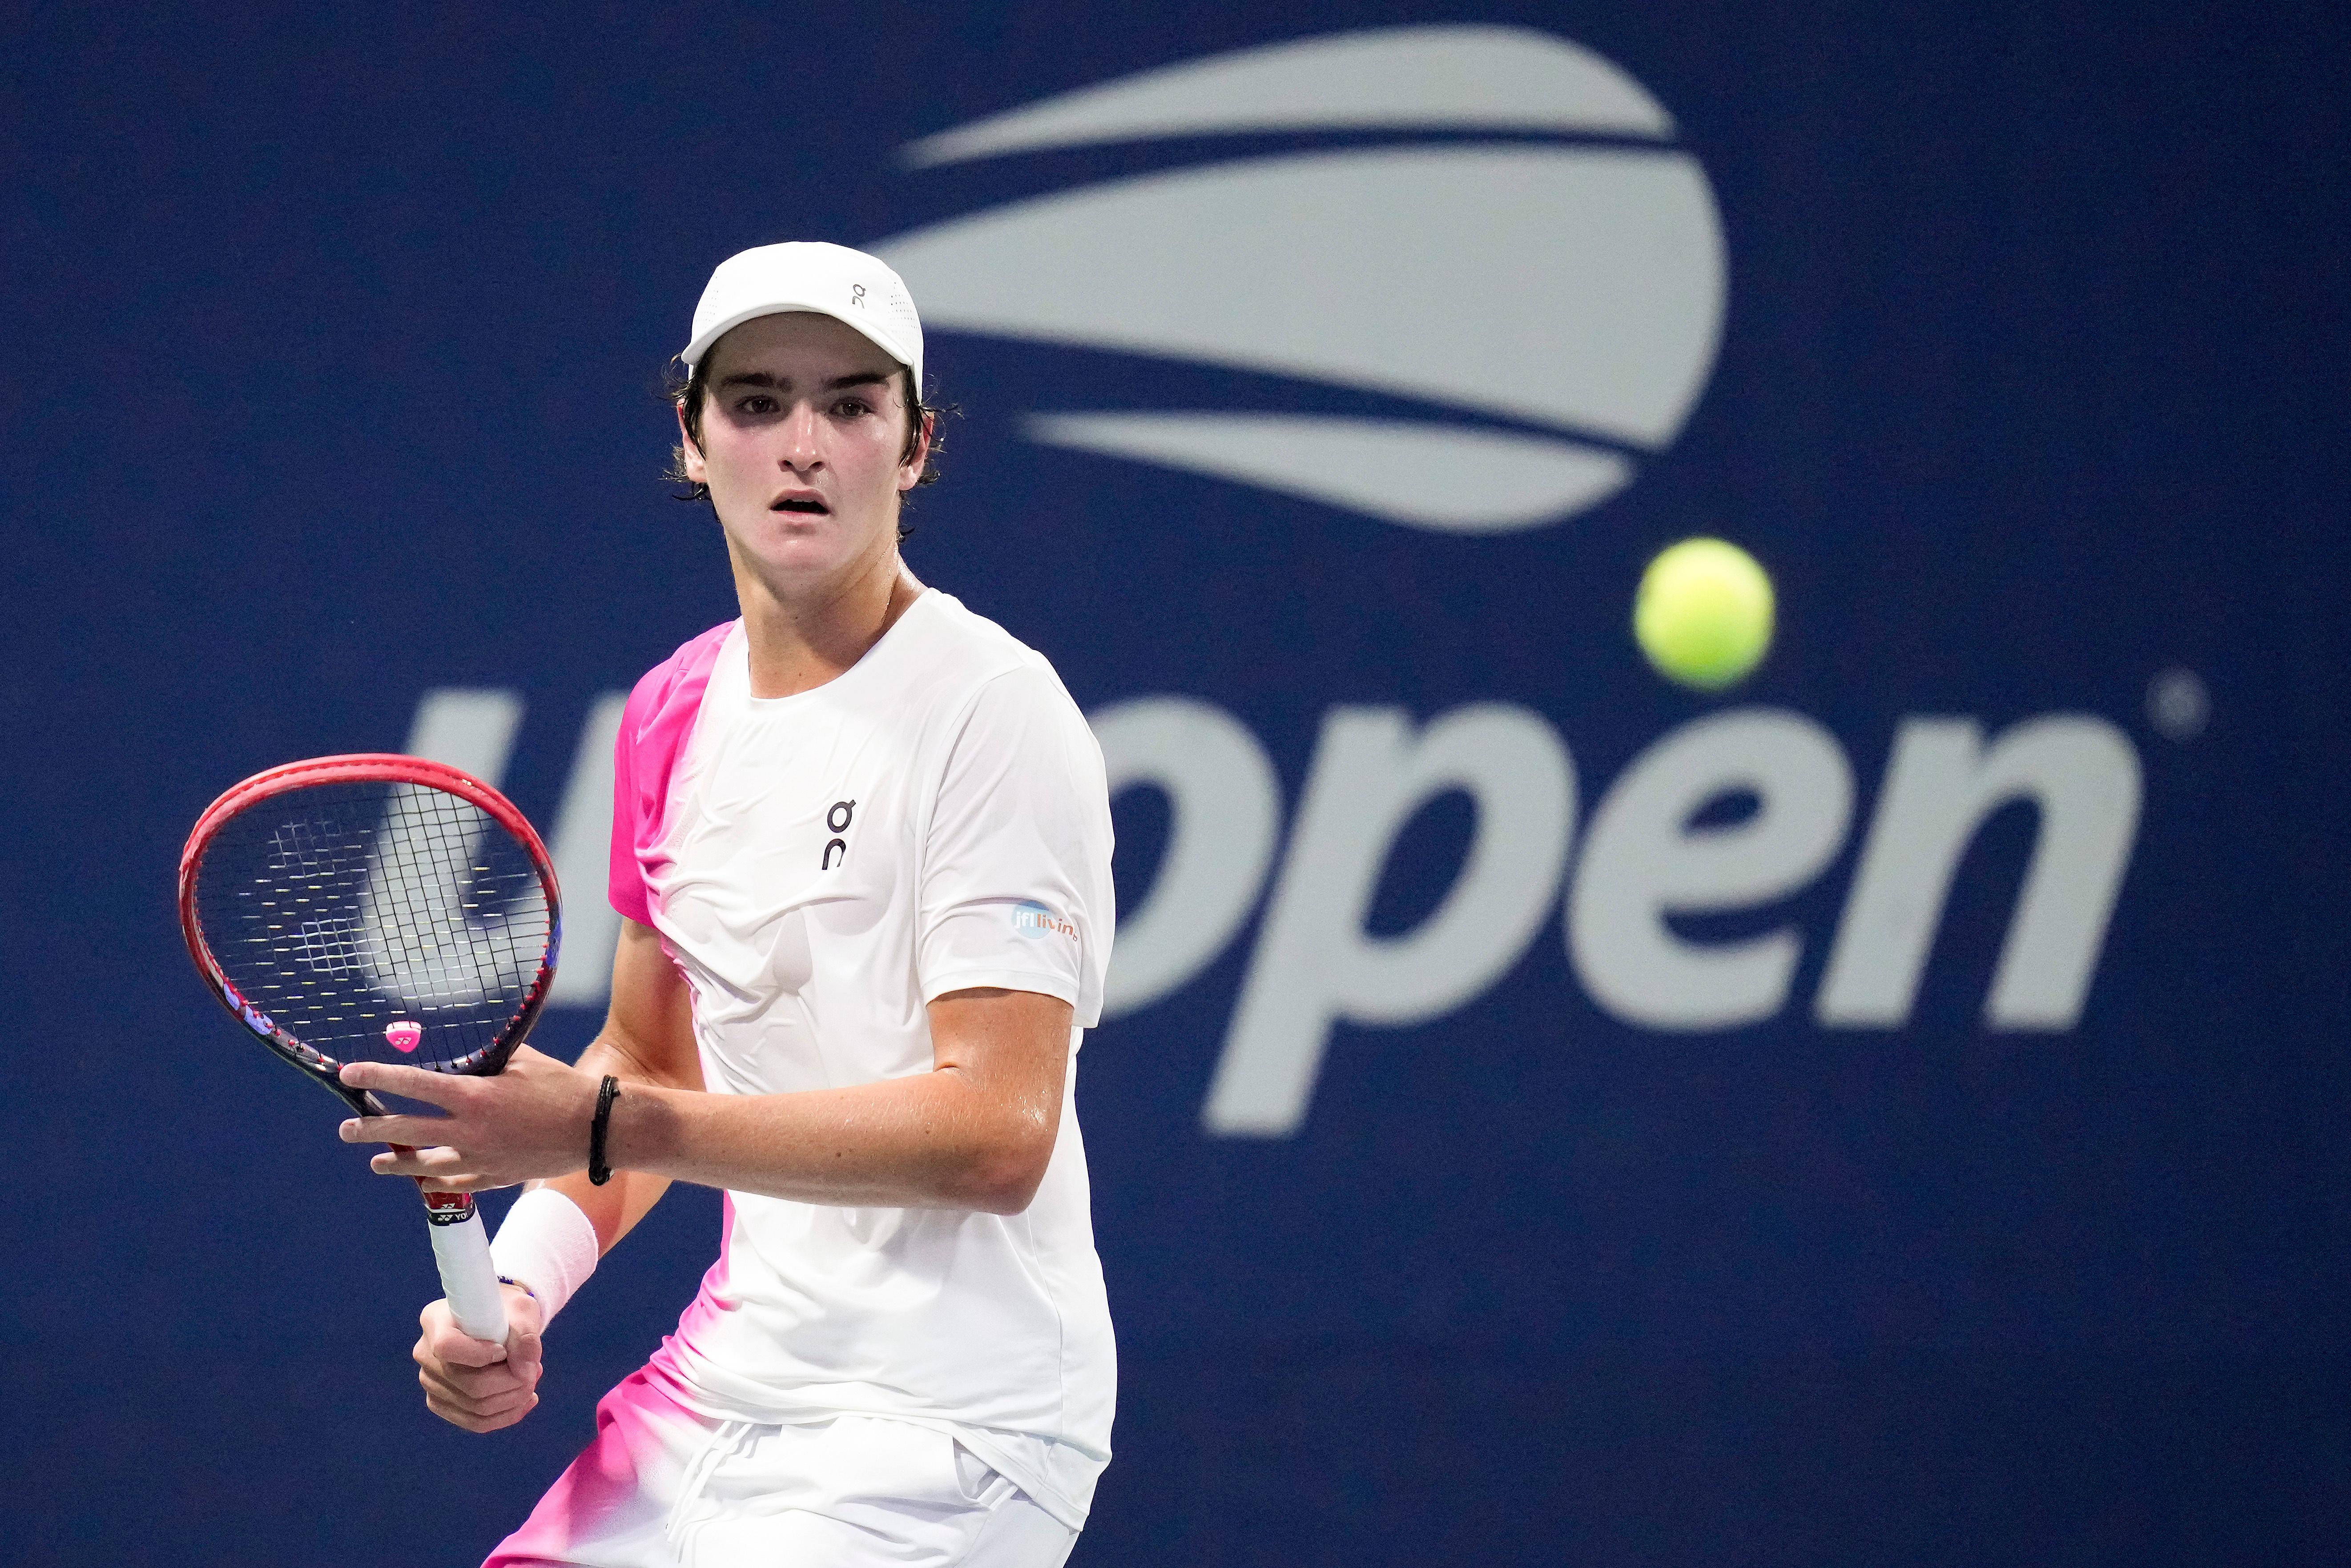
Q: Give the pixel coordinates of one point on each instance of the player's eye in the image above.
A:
(758, 403)
(852, 407)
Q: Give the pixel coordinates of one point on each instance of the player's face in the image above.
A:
(804, 448)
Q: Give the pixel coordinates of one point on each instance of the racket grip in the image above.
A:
(469, 1280)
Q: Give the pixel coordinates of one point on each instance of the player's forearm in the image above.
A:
(615, 1208)
(935, 1140)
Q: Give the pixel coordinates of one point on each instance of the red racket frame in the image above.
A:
(367, 767)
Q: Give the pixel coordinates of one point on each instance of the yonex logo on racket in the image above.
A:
(254, 1017)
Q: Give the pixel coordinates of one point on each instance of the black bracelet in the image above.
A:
(599, 1173)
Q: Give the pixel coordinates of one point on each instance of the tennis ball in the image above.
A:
(1703, 613)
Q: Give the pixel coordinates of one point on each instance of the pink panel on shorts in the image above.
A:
(655, 728)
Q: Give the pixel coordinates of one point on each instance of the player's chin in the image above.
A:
(812, 544)
(801, 548)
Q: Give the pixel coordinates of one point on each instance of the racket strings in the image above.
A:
(341, 909)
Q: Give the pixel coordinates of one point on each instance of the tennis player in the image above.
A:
(861, 840)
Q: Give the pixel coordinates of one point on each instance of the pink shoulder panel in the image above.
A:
(655, 728)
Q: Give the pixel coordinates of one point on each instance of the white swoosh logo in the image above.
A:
(1450, 78)
(1438, 476)
(1576, 288)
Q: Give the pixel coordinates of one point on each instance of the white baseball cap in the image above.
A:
(808, 274)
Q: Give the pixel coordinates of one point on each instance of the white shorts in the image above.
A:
(662, 1487)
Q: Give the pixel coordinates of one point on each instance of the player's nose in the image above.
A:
(803, 439)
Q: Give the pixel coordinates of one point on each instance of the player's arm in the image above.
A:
(975, 1131)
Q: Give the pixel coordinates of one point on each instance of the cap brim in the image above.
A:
(710, 335)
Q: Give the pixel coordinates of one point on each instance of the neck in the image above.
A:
(802, 636)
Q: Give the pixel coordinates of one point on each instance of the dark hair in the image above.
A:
(681, 387)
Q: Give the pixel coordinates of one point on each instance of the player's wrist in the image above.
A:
(600, 1165)
(639, 1135)
(545, 1247)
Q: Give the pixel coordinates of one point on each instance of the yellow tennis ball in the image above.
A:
(1703, 613)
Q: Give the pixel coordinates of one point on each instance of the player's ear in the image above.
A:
(910, 471)
(690, 449)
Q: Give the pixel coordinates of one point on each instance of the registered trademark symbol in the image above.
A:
(2178, 704)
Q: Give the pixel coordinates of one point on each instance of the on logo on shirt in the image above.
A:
(1034, 920)
(843, 812)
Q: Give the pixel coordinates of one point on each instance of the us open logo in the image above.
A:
(1540, 293)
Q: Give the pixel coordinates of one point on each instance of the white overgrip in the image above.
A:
(468, 1280)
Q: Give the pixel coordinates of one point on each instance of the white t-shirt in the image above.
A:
(819, 867)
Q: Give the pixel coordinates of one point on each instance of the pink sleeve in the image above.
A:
(655, 728)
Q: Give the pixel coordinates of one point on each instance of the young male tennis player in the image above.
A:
(862, 839)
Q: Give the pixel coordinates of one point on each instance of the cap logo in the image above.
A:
(857, 295)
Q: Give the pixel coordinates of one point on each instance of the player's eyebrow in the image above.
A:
(782, 383)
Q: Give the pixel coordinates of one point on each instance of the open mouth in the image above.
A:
(810, 507)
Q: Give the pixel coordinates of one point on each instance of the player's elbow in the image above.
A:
(1002, 1175)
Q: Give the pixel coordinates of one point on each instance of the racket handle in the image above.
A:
(468, 1279)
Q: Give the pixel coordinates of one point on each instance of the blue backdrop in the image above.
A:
(1667, 1164)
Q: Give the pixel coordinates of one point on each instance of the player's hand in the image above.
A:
(470, 1381)
(528, 1124)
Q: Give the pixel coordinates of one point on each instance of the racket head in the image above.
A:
(372, 907)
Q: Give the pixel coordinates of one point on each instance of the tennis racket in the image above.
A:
(379, 908)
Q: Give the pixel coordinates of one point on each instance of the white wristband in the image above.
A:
(546, 1244)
